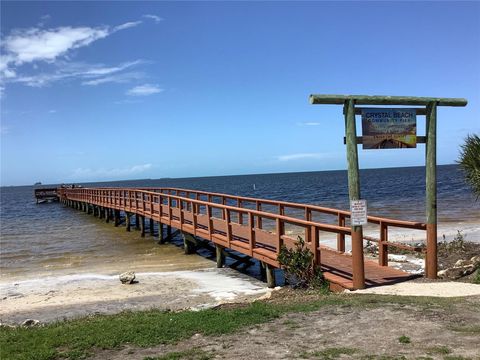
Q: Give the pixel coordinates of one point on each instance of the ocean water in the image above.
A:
(50, 239)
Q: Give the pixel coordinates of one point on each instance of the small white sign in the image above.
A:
(359, 212)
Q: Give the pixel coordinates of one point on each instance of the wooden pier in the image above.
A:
(256, 228)
(46, 195)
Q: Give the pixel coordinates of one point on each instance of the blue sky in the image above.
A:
(123, 90)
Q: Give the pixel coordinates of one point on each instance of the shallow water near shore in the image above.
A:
(53, 240)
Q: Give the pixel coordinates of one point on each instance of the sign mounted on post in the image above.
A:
(389, 128)
(359, 212)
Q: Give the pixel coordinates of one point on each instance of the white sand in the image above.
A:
(437, 289)
(56, 298)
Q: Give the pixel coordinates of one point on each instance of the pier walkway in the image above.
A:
(257, 228)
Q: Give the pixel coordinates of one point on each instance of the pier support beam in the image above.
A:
(137, 222)
(189, 242)
(169, 231)
(220, 253)
(151, 227)
(101, 212)
(116, 217)
(142, 226)
(270, 275)
(107, 215)
(161, 239)
(127, 221)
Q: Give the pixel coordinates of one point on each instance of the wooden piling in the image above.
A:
(137, 222)
(220, 254)
(151, 227)
(189, 246)
(270, 270)
(116, 217)
(127, 221)
(107, 215)
(161, 239)
(142, 226)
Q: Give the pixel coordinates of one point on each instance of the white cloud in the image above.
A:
(87, 173)
(117, 78)
(34, 45)
(91, 74)
(144, 90)
(44, 19)
(155, 18)
(127, 25)
(302, 156)
(53, 111)
(28, 45)
(310, 123)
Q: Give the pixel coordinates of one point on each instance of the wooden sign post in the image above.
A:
(349, 102)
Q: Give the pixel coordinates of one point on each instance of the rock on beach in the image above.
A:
(127, 277)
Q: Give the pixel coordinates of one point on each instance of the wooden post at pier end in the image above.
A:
(431, 190)
(431, 104)
(358, 266)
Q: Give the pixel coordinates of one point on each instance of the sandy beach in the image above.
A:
(57, 298)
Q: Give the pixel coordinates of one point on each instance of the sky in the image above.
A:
(98, 91)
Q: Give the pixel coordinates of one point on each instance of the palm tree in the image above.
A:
(469, 162)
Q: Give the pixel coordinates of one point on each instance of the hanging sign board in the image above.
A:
(359, 212)
(389, 128)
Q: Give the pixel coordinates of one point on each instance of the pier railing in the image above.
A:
(255, 227)
(309, 212)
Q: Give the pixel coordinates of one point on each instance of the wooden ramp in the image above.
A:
(337, 269)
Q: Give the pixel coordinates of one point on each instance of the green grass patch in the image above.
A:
(192, 354)
(78, 338)
(455, 357)
(470, 329)
(383, 357)
(404, 340)
(329, 353)
(476, 277)
(440, 350)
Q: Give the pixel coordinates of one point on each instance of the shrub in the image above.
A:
(298, 266)
(469, 161)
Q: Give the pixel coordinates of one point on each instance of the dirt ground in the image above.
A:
(448, 330)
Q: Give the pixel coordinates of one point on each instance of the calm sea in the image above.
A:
(52, 239)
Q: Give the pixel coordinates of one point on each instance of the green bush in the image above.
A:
(298, 266)
(476, 277)
(469, 161)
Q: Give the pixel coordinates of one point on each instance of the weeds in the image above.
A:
(299, 268)
(404, 340)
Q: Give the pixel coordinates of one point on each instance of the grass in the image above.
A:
(192, 354)
(472, 329)
(476, 277)
(440, 350)
(77, 339)
(404, 340)
(329, 353)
